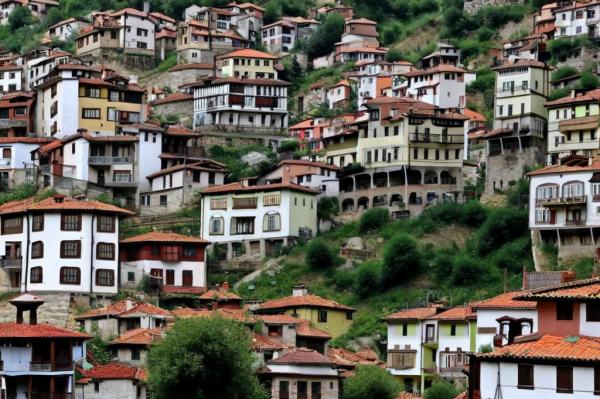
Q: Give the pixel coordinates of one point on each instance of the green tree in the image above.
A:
(20, 16)
(441, 390)
(393, 55)
(373, 219)
(319, 255)
(204, 358)
(368, 278)
(401, 260)
(328, 208)
(272, 12)
(328, 33)
(371, 382)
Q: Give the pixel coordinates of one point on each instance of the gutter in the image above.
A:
(92, 253)
(27, 253)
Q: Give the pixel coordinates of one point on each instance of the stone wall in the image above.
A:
(184, 109)
(473, 6)
(508, 167)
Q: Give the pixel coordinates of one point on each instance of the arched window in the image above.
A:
(573, 189)
(36, 275)
(37, 250)
(272, 222)
(216, 225)
(547, 191)
(431, 177)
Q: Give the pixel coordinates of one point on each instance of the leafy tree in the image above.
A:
(564, 72)
(588, 81)
(319, 255)
(20, 16)
(288, 146)
(373, 219)
(328, 208)
(371, 382)
(441, 390)
(296, 69)
(368, 277)
(401, 260)
(329, 32)
(502, 225)
(272, 12)
(204, 358)
(466, 270)
(393, 55)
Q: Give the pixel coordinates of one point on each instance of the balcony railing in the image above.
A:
(186, 151)
(575, 222)
(513, 89)
(437, 138)
(102, 160)
(49, 366)
(11, 263)
(5, 123)
(121, 180)
(574, 200)
(262, 130)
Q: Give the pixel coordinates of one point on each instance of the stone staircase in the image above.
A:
(56, 310)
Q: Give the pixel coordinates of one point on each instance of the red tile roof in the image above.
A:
(131, 11)
(549, 347)
(441, 68)
(26, 140)
(474, 116)
(305, 124)
(308, 300)
(278, 319)
(239, 188)
(119, 308)
(457, 313)
(345, 358)
(308, 163)
(412, 314)
(505, 301)
(173, 98)
(220, 295)
(175, 289)
(248, 53)
(302, 356)
(146, 308)
(162, 16)
(595, 166)
(42, 331)
(203, 165)
(592, 95)
(178, 130)
(582, 290)
(521, 63)
(138, 336)
(46, 149)
(163, 236)
(67, 204)
(305, 330)
(262, 343)
(115, 371)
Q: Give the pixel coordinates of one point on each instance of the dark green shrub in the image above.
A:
(441, 390)
(502, 225)
(466, 270)
(288, 146)
(371, 382)
(368, 277)
(401, 260)
(373, 219)
(319, 255)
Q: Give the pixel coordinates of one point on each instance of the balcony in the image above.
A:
(102, 160)
(195, 152)
(11, 263)
(562, 201)
(511, 91)
(121, 180)
(436, 138)
(48, 366)
(8, 123)
(575, 222)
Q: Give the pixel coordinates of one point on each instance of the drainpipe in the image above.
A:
(422, 387)
(27, 254)
(92, 254)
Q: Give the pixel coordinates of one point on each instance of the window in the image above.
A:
(597, 381)
(105, 251)
(272, 222)
(592, 312)
(105, 277)
(70, 275)
(404, 330)
(284, 390)
(401, 359)
(187, 278)
(130, 277)
(189, 251)
(12, 225)
(218, 203)
(525, 377)
(106, 224)
(37, 250)
(36, 275)
(242, 225)
(322, 316)
(216, 226)
(90, 113)
(37, 223)
(275, 331)
(70, 249)
(163, 200)
(315, 390)
(564, 379)
(135, 353)
(453, 330)
(271, 199)
(564, 311)
(111, 114)
(349, 315)
(96, 386)
(92, 92)
(302, 390)
(70, 222)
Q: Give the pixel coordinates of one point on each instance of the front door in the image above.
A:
(101, 177)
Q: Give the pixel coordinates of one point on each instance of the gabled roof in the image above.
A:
(138, 336)
(202, 165)
(441, 68)
(239, 188)
(458, 313)
(592, 95)
(305, 124)
(262, 343)
(550, 347)
(595, 166)
(165, 237)
(346, 358)
(521, 63)
(113, 371)
(505, 301)
(38, 331)
(25, 140)
(302, 356)
(162, 16)
(146, 309)
(582, 290)
(360, 21)
(474, 116)
(247, 53)
(309, 300)
(278, 319)
(308, 163)
(67, 204)
(412, 314)
(119, 309)
(130, 11)
(305, 330)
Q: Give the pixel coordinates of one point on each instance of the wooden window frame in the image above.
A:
(110, 275)
(593, 316)
(322, 316)
(564, 379)
(64, 270)
(64, 222)
(16, 229)
(564, 311)
(39, 277)
(525, 376)
(105, 246)
(101, 226)
(62, 249)
(36, 225)
(35, 255)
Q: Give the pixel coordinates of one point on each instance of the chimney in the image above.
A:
(146, 7)
(133, 79)
(58, 198)
(129, 303)
(299, 290)
(27, 302)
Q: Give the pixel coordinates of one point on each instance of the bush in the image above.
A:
(401, 260)
(466, 270)
(393, 55)
(564, 72)
(368, 277)
(371, 382)
(288, 146)
(502, 225)
(329, 32)
(319, 255)
(441, 390)
(373, 219)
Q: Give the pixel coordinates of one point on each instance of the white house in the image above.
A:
(16, 166)
(112, 380)
(61, 244)
(443, 85)
(254, 219)
(174, 261)
(318, 176)
(37, 69)
(11, 78)
(67, 29)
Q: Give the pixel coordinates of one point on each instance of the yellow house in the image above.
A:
(248, 63)
(322, 313)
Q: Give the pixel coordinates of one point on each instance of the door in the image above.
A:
(302, 390)
(101, 177)
(429, 333)
(187, 278)
(170, 277)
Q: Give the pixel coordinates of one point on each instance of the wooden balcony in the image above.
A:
(436, 138)
(575, 222)
(48, 366)
(11, 263)
(562, 201)
(102, 160)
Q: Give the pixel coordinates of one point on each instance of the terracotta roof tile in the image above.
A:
(115, 371)
(521, 63)
(303, 300)
(146, 308)
(595, 166)
(14, 330)
(474, 116)
(412, 314)
(138, 336)
(305, 124)
(25, 140)
(201, 165)
(302, 356)
(305, 330)
(441, 68)
(120, 308)
(175, 289)
(46, 149)
(278, 319)
(262, 343)
(239, 188)
(592, 95)
(178, 130)
(456, 313)
(308, 163)
(220, 295)
(581, 290)
(173, 98)
(505, 301)
(67, 204)
(248, 53)
(576, 348)
(344, 357)
(163, 236)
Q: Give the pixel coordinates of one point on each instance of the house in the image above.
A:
(319, 176)
(11, 78)
(112, 380)
(15, 163)
(175, 187)
(293, 331)
(544, 20)
(76, 96)
(562, 357)
(67, 28)
(39, 8)
(73, 234)
(476, 131)
(220, 297)
(282, 35)
(520, 121)
(339, 138)
(17, 114)
(324, 314)
(38, 359)
(530, 47)
(374, 78)
(132, 346)
(165, 40)
(122, 316)
(562, 207)
(338, 95)
(40, 64)
(256, 220)
(247, 64)
(296, 374)
(577, 19)
(128, 31)
(173, 261)
(445, 54)
(443, 85)
(573, 123)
